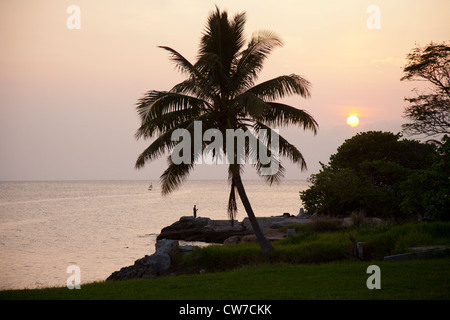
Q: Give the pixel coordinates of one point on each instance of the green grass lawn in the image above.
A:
(425, 279)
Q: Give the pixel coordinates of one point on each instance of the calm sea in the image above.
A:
(101, 226)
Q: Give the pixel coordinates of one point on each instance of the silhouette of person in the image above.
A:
(195, 211)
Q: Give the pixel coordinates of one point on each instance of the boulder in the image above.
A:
(265, 223)
(202, 229)
(166, 246)
(301, 214)
(150, 266)
(158, 263)
(232, 240)
(270, 223)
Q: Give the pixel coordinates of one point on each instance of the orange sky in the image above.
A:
(67, 96)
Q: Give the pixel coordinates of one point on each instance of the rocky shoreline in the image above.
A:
(219, 231)
(199, 229)
(167, 247)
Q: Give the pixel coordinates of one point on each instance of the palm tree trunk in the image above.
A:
(266, 246)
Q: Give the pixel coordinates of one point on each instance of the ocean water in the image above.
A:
(101, 226)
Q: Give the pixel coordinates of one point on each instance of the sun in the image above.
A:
(353, 121)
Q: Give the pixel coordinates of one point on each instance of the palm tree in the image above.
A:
(220, 91)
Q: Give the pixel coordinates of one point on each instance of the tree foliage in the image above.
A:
(426, 192)
(429, 112)
(373, 172)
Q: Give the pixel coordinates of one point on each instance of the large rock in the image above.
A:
(270, 223)
(217, 231)
(158, 263)
(302, 214)
(166, 246)
(202, 229)
(150, 266)
(161, 260)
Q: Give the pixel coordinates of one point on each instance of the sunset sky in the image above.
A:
(67, 96)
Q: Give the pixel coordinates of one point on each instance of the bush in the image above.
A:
(324, 224)
(398, 239)
(306, 247)
(224, 257)
(426, 193)
(309, 246)
(370, 172)
(358, 218)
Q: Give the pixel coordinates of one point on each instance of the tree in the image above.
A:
(385, 146)
(429, 112)
(366, 174)
(426, 192)
(221, 93)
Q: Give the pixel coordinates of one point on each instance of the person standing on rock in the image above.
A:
(195, 211)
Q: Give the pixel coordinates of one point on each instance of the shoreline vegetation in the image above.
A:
(318, 262)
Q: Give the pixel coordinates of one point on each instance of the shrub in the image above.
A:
(324, 224)
(358, 218)
(309, 246)
(367, 173)
(398, 239)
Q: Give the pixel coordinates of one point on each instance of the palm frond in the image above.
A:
(183, 65)
(194, 88)
(272, 113)
(164, 126)
(166, 122)
(281, 114)
(286, 149)
(156, 149)
(171, 101)
(222, 37)
(174, 176)
(250, 105)
(144, 105)
(269, 167)
(250, 61)
(220, 45)
(275, 177)
(282, 86)
(238, 26)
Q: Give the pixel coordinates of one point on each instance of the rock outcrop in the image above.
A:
(217, 231)
(271, 223)
(203, 229)
(150, 266)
